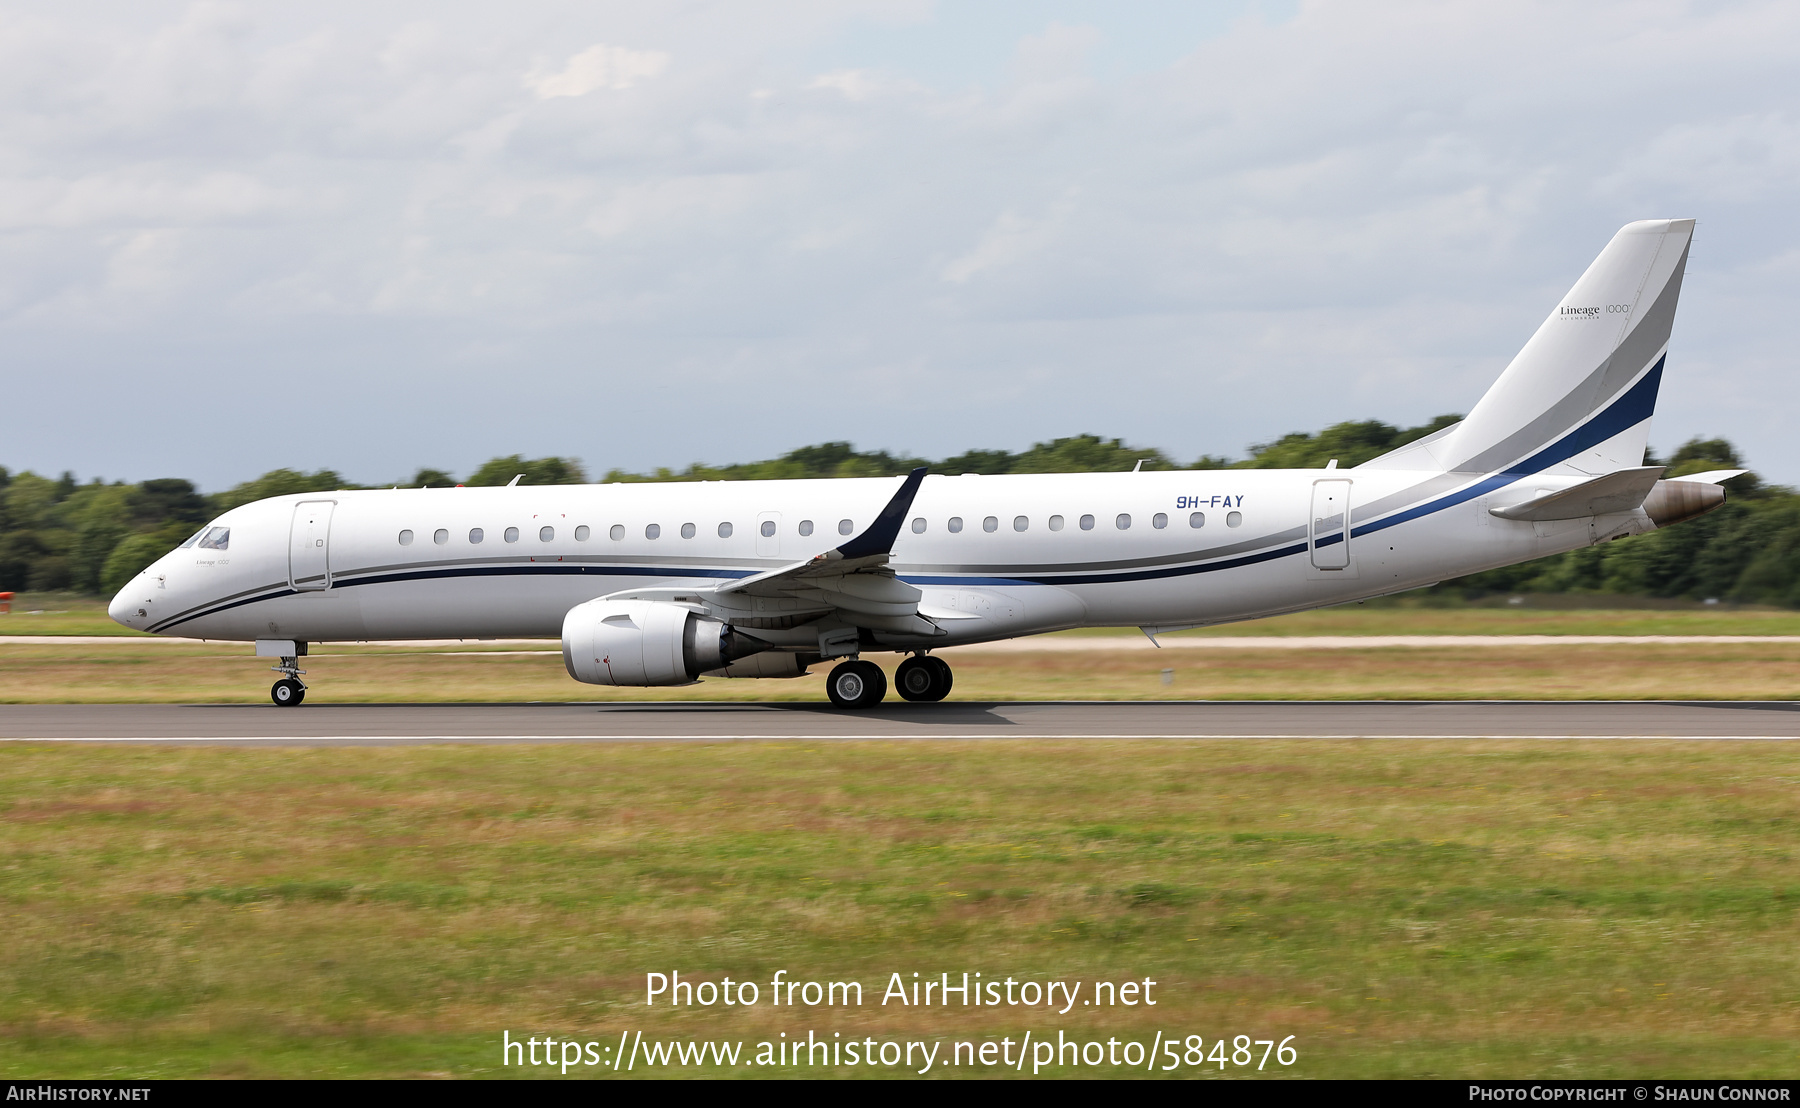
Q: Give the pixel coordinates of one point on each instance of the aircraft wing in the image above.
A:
(851, 581)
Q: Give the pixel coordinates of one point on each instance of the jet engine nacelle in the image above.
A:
(646, 642)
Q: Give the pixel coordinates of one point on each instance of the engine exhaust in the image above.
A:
(1674, 501)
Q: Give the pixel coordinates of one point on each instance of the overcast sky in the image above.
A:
(374, 237)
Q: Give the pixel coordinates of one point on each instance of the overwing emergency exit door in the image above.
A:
(309, 546)
(1329, 538)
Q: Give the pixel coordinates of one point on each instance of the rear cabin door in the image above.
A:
(1330, 532)
(309, 546)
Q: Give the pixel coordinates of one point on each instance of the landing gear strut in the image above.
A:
(923, 678)
(289, 691)
(856, 684)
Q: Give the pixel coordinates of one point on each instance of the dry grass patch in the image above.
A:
(156, 673)
(72, 614)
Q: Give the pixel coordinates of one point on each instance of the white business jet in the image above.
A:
(662, 584)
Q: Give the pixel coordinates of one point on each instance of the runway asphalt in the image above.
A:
(402, 724)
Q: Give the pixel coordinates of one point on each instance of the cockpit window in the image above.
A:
(195, 537)
(216, 538)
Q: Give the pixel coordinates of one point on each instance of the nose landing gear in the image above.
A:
(289, 691)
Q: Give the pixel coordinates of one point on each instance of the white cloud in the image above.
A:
(1011, 240)
(598, 67)
(856, 84)
(1059, 53)
(1358, 212)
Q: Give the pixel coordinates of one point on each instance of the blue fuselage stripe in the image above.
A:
(1635, 405)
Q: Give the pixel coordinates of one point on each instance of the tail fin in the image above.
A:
(1578, 398)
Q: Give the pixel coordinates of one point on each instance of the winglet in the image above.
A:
(879, 537)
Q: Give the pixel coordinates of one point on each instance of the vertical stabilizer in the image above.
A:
(1578, 398)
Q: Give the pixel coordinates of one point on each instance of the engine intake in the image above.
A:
(642, 643)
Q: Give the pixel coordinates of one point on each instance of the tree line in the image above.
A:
(92, 538)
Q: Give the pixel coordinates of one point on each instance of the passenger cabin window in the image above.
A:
(546, 534)
(918, 526)
(511, 535)
(1123, 522)
(475, 536)
(617, 532)
(990, 524)
(1159, 520)
(1056, 523)
(845, 527)
(582, 533)
(440, 536)
(955, 525)
(653, 531)
(768, 529)
(406, 538)
(1234, 519)
(1197, 520)
(687, 531)
(724, 530)
(1020, 523)
(219, 538)
(1087, 523)
(805, 527)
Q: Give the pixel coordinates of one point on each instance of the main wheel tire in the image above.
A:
(922, 679)
(856, 684)
(287, 692)
(945, 677)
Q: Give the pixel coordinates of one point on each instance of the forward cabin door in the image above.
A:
(309, 546)
(1330, 531)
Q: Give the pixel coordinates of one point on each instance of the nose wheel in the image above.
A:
(923, 678)
(289, 691)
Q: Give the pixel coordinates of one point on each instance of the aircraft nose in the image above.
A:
(129, 609)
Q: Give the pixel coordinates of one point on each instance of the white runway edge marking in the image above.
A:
(802, 737)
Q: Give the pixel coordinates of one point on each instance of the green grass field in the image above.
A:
(1402, 908)
(1591, 909)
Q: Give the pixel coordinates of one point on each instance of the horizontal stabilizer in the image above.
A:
(1622, 491)
(1711, 476)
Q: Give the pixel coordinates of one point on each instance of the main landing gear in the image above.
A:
(289, 691)
(923, 678)
(860, 684)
